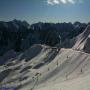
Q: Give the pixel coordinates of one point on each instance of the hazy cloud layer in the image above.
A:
(54, 2)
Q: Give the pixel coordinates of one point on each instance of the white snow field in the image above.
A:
(48, 69)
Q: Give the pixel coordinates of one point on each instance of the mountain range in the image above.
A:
(15, 34)
(45, 56)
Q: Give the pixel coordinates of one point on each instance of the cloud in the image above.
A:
(71, 1)
(57, 2)
(52, 2)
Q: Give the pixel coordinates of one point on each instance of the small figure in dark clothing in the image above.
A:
(81, 70)
(57, 63)
(48, 68)
(67, 57)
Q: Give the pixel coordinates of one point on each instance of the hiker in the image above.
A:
(48, 69)
(81, 70)
(57, 62)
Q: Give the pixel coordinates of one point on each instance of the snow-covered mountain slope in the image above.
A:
(83, 40)
(45, 68)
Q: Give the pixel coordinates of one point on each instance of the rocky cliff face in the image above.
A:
(19, 35)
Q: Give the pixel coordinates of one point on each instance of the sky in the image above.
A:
(34, 11)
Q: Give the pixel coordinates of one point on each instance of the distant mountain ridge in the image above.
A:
(19, 35)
